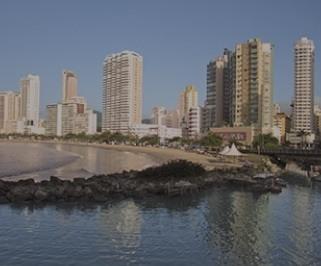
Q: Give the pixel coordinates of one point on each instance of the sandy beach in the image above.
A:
(160, 155)
(167, 154)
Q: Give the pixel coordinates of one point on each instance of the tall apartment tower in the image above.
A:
(10, 111)
(188, 99)
(219, 93)
(122, 91)
(69, 85)
(253, 92)
(30, 95)
(304, 85)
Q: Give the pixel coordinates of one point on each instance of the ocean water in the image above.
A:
(219, 226)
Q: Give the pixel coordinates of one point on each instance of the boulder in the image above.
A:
(41, 194)
(3, 199)
(21, 192)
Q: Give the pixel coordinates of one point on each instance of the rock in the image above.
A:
(79, 181)
(54, 179)
(87, 193)
(100, 197)
(3, 186)
(3, 199)
(75, 191)
(21, 192)
(41, 194)
(100, 188)
(183, 184)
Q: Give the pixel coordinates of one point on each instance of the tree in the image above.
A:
(175, 140)
(211, 140)
(150, 140)
(118, 137)
(265, 141)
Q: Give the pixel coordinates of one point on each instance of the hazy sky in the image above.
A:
(176, 38)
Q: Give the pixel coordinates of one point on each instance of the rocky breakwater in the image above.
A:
(174, 178)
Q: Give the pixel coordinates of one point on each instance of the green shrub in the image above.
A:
(177, 169)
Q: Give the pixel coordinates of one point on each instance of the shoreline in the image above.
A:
(159, 155)
(175, 178)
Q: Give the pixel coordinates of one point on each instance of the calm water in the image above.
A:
(40, 161)
(220, 226)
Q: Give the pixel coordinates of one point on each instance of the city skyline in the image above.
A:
(186, 55)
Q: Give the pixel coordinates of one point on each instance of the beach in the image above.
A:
(161, 154)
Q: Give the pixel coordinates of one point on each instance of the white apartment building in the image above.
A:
(30, 97)
(54, 121)
(122, 91)
(194, 122)
(70, 118)
(304, 86)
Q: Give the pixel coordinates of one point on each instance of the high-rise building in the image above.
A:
(253, 92)
(72, 115)
(317, 119)
(70, 118)
(30, 95)
(172, 119)
(54, 121)
(159, 115)
(69, 85)
(10, 111)
(219, 93)
(276, 109)
(122, 91)
(304, 86)
(188, 99)
(194, 122)
(283, 123)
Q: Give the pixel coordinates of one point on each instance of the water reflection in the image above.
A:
(40, 161)
(121, 223)
(17, 158)
(236, 225)
(220, 226)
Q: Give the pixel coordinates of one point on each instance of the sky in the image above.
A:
(177, 39)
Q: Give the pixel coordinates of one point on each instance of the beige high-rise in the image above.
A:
(253, 91)
(188, 99)
(304, 86)
(122, 91)
(69, 85)
(10, 111)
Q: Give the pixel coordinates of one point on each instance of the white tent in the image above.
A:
(225, 150)
(233, 151)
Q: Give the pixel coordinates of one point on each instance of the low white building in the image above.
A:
(298, 140)
(163, 132)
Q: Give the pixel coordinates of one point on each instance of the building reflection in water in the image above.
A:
(122, 224)
(237, 227)
(302, 226)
